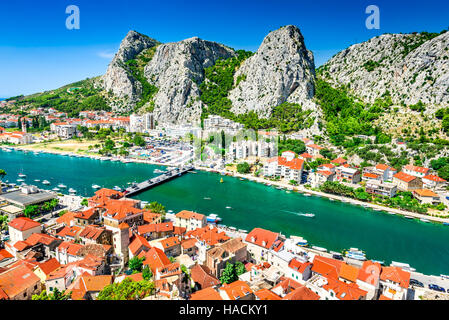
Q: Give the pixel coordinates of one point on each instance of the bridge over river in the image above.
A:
(148, 184)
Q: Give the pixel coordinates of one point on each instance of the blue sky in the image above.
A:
(38, 53)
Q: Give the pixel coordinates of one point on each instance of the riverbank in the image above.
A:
(282, 184)
(302, 189)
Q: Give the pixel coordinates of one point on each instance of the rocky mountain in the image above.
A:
(282, 70)
(408, 67)
(177, 69)
(118, 77)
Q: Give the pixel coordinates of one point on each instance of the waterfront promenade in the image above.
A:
(302, 189)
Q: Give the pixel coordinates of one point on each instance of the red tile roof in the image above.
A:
(265, 294)
(435, 178)
(261, 237)
(370, 272)
(5, 255)
(299, 266)
(16, 280)
(155, 258)
(237, 289)
(301, 293)
(211, 236)
(326, 266)
(339, 161)
(156, 227)
(189, 215)
(396, 275)
(203, 276)
(139, 243)
(344, 291)
(404, 177)
(23, 224)
(206, 294)
(416, 169)
(49, 266)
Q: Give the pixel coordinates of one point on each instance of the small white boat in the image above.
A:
(207, 198)
(356, 254)
(309, 215)
(37, 180)
(20, 180)
(117, 188)
(95, 186)
(46, 182)
(307, 195)
(408, 217)
(213, 218)
(424, 220)
(300, 241)
(228, 208)
(62, 186)
(72, 190)
(56, 189)
(404, 266)
(392, 213)
(319, 249)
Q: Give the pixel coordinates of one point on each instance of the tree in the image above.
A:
(138, 140)
(156, 207)
(229, 274)
(2, 174)
(56, 295)
(147, 274)
(31, 211)
(327, 154)
(136, 264)
(243, 168)
(85, 202)
(127, 290)
(240, 268)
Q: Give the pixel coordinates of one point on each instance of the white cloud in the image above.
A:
(106, 54)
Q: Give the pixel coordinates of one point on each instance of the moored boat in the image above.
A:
(356, 254)
(404, 266)
(95, 186)
(46, 182)
(319, 249)
(213, 218)
(300, 241)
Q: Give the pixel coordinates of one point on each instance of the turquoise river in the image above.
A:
(336, 226)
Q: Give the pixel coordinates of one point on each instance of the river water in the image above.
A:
(336, 226)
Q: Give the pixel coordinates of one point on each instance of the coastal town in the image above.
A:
(196, 155)
(109, 246)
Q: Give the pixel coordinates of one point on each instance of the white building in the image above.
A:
(244, 149)
(141, 123)
(217, 123)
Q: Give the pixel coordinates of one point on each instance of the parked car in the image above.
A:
(416, 283)
(436, 288)
(337, 257)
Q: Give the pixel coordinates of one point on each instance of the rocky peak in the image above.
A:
(282, 70)
(410, 67)
(177, 69)
(117, 78)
